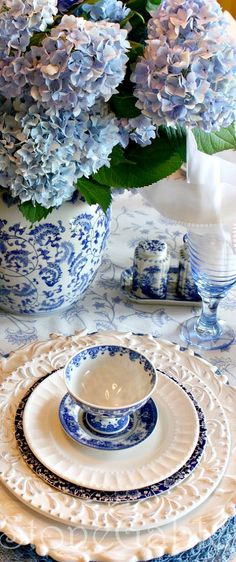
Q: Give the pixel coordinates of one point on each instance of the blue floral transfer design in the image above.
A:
(46, 267)
(107, 419)
(140, 425)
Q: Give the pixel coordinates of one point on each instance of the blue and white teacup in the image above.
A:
(109, 382)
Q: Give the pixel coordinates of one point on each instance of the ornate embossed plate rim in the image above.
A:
(149, 511)
(60, 543)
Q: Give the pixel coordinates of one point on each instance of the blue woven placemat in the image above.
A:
(220, 547)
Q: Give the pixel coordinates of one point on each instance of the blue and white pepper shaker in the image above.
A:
(186, 287)
(150, 269)
(172, 280)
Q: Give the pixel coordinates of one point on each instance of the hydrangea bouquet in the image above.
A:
(98, 93)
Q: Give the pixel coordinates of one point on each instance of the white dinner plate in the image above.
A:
(132, 517)
(164, 452)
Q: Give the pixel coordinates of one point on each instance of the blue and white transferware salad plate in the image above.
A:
(141, 424)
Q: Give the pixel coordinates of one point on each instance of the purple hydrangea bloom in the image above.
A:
(112, 10)
(20, 18)
(14, 33)
(13, 76)
(188, 72)
(81, 62)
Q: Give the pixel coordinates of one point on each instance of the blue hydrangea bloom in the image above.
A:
(41, 156)
(138, 129)
(18, 21)
(13, 75)
(188, 72)
(79, 63)
(112, 10)
(55, 125)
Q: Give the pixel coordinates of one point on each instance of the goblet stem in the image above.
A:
(207, 323)
(213, 264)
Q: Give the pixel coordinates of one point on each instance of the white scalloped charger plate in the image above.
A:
(61, 542)
(164, 452)
(157, 511)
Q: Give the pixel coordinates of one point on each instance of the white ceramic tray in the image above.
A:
(171, 299)
(164, 452)
(146, 514)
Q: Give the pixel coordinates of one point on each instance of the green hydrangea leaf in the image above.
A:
(94, 193)
(140, 166)
(37, 38)
(132, 14)
(34, 213)
(210, 143)
(176, 137)
(118, 156)
(152, 5)
(135, 51)
(124, 106)
(86, 2)
(137, 5)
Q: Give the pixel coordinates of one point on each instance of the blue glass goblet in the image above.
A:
(213, 264)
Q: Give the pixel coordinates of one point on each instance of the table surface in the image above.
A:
(104, 306)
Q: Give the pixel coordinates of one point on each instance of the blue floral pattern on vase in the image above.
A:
(48, 266)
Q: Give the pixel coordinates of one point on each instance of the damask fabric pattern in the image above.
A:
(218, 548)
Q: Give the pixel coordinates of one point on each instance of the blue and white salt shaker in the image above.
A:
(150, 269)
(186, 287)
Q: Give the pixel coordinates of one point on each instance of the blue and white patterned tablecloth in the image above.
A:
(104, 307)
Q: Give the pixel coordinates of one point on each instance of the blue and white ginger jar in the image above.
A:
(48, 265)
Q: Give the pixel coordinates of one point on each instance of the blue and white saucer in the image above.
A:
(141, 424)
